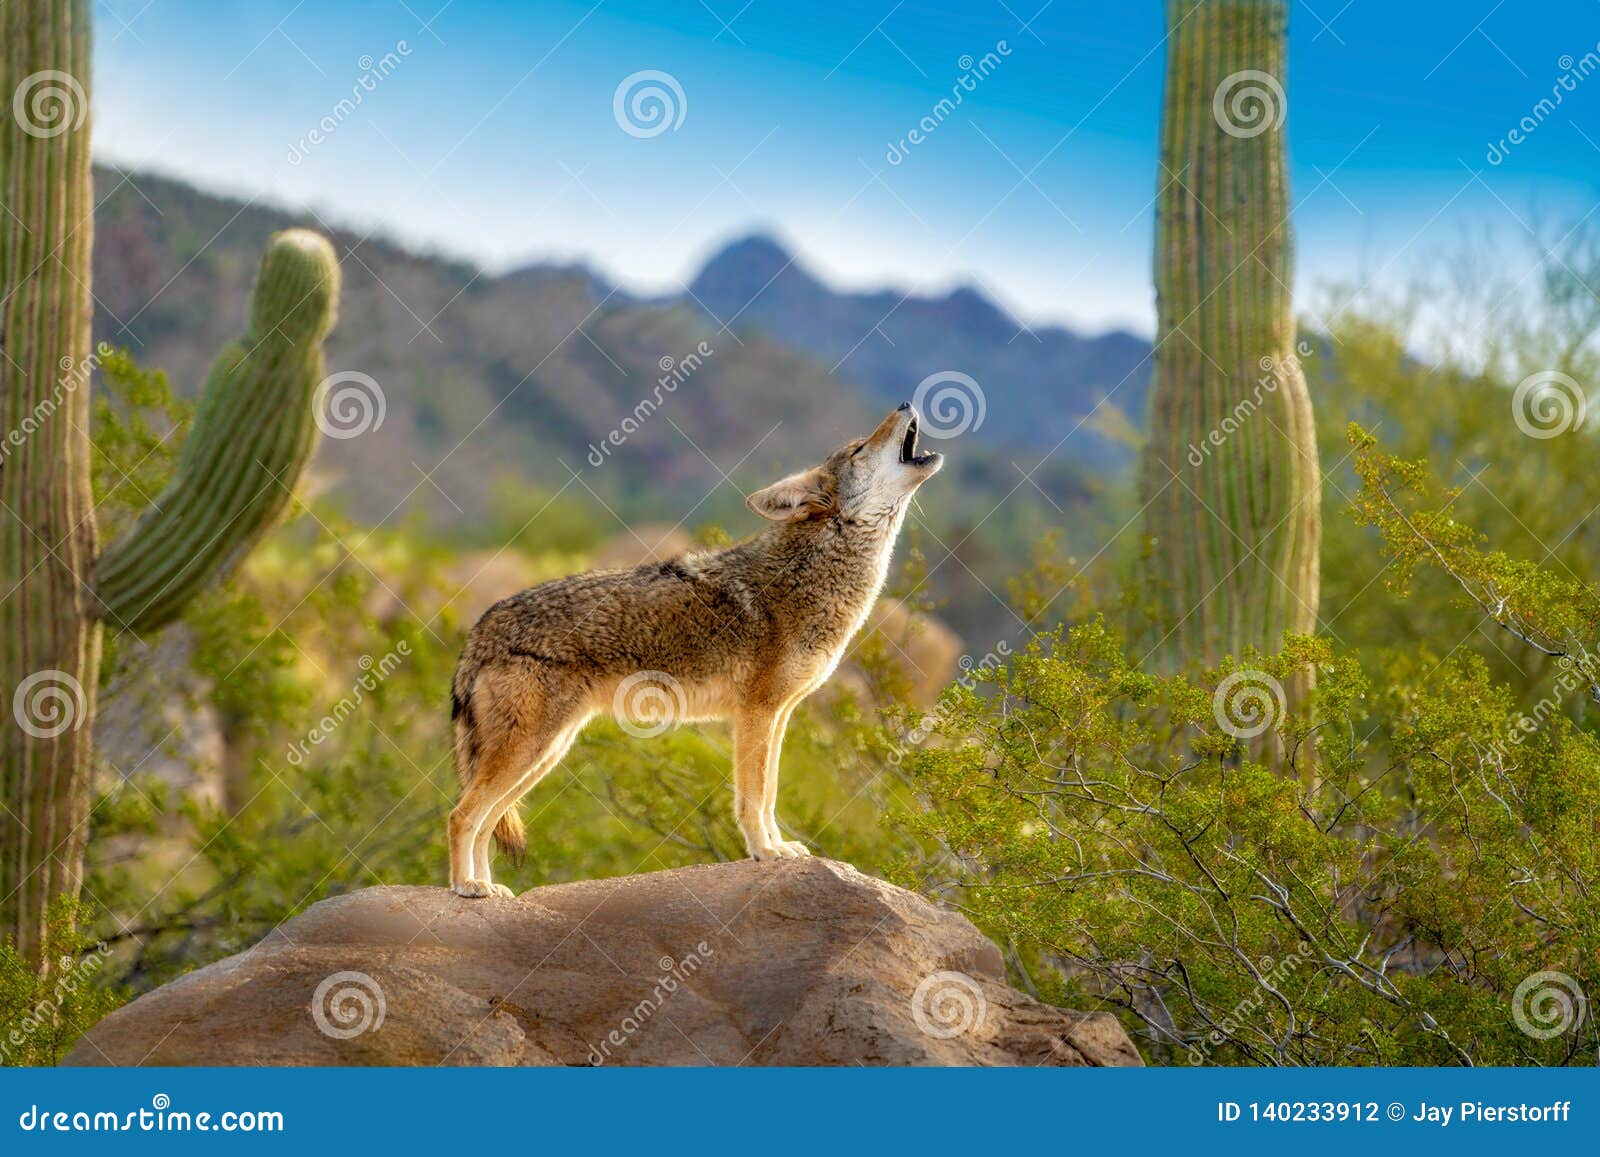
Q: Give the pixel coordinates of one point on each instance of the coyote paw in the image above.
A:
(502, 891)
(474, 889)
(792, 849)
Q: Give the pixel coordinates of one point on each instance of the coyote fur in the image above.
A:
(741, 634)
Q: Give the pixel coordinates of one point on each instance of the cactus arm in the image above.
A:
(252, 436)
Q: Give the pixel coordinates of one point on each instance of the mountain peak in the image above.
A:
(969, 306)
(744, 268)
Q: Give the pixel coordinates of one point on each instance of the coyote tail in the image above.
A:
(509, 834)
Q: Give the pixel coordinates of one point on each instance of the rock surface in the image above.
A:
(797, 962)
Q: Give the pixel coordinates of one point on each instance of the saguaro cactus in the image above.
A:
(251, 438)
(1230, 472)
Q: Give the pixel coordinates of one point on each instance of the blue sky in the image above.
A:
(494, 138)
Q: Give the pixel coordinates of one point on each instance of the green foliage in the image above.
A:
(539, 522)
(45, 1007)
(1501, 318)
(1106, 825)
(138, 427)
(1552, 612)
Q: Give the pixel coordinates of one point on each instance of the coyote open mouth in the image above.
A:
(908, 448)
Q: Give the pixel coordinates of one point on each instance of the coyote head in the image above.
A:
(867, 479)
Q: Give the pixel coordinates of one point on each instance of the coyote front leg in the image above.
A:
(769, 786)
(757, 736)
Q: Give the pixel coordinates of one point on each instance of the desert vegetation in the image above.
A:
(1271, 735)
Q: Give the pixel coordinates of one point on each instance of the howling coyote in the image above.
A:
(741, 634)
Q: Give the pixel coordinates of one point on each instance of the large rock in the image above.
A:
(799, 962)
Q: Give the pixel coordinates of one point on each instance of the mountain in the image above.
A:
(500, 391)
(1038, 385)
(528, 374)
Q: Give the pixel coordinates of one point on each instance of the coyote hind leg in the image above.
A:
(515, 731)
(553, 753)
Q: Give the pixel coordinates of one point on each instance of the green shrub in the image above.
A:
(1430, 897)
(45, 1008)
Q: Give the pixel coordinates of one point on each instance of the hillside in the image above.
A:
(500, 391)
(521, 372)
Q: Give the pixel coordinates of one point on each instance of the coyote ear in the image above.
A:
(794, 498)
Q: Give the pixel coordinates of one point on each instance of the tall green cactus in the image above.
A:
(1230, 472)
(237, 471)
